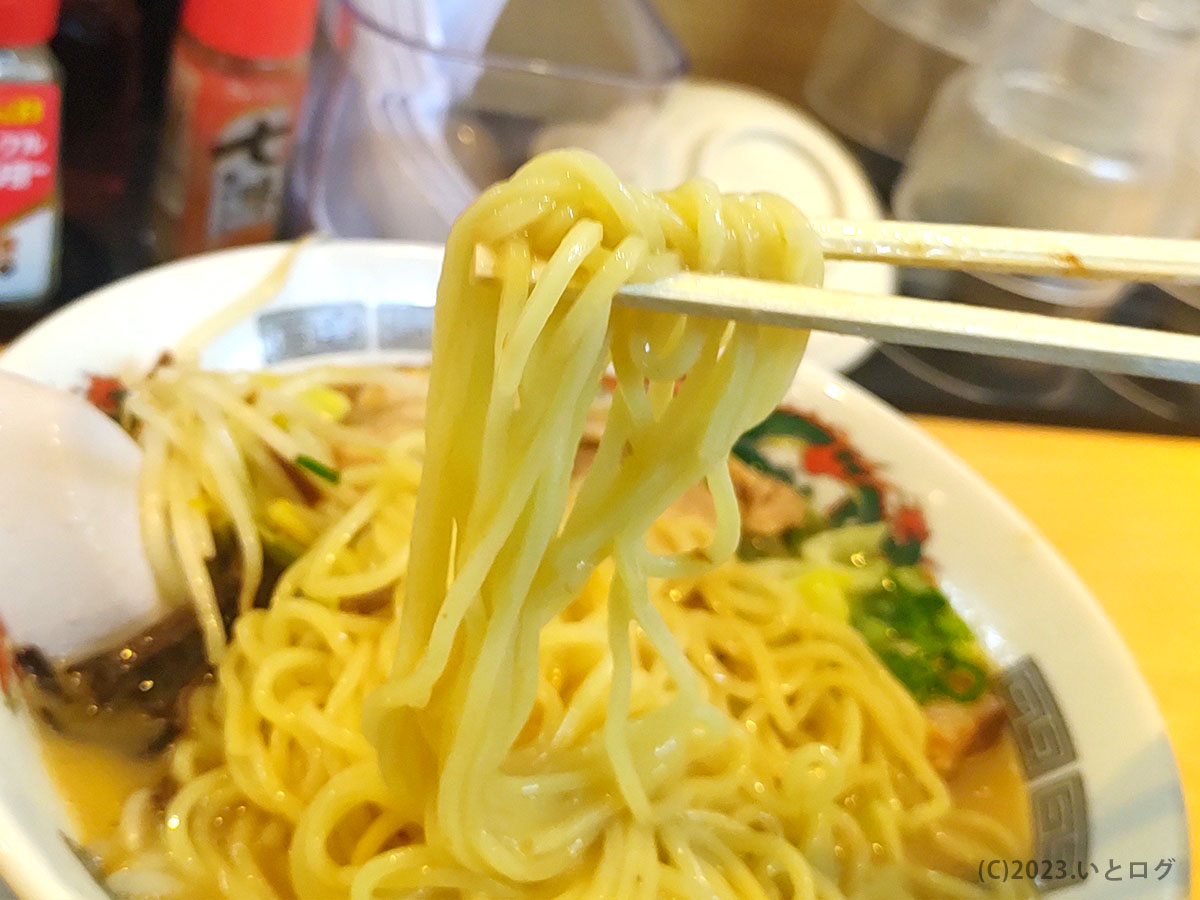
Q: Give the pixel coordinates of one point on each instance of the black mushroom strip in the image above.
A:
(132, 696)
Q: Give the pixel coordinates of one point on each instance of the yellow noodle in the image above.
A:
(568, 691)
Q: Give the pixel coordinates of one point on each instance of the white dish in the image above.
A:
(1102, 778)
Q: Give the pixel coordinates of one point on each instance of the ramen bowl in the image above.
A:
(1100, 776)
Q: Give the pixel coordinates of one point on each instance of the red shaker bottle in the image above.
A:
(238, 76)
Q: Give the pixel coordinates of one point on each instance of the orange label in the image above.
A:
(226, 146)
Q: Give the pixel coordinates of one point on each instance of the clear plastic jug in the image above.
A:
(424, 103)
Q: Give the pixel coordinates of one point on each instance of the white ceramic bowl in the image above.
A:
(1103, 782)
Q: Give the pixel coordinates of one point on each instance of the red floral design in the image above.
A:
(909, 525)
(841, 461)
(8, 673)
(826, 459)
(105, 394)
(824, 450)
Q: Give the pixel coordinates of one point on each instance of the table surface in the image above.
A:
(1138, 548)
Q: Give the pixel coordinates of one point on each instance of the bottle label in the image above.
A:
(29, 116)
(248, 166)
(221, 176)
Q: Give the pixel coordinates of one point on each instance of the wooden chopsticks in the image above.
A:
(953, 326)
(928, 323)
(983, 248)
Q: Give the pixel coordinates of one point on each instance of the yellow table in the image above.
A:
(1125, 512)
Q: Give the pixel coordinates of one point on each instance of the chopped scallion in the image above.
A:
(318, 468)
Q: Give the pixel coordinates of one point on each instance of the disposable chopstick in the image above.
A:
(1015, 250)
(927, 323)
(914, 322)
